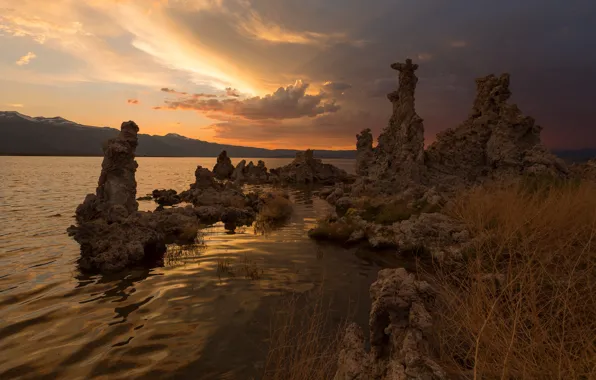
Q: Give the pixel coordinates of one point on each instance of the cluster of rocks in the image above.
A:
(111, 231)
(114, 234)
(304, 169)
(495, 142)
(400, 326)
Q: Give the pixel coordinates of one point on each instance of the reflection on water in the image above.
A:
(185, 320)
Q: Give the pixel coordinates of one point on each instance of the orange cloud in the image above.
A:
(24, 60)
(285, 103)
(132, 101)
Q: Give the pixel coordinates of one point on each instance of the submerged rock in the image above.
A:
(223, 169)
(400, 326)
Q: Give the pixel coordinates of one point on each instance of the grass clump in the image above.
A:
(522, 305)
(304, 340)
(275, 210)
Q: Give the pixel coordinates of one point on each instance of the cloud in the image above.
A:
(24, 60)
(132, 101)
(15, 105)
(336, 130)
(232, 92)
(254, 26)
(425, 56)
(285, 103)
(335, 88)
(458, 44)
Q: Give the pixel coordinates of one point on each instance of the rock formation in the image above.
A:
(400, 326)
(112, 233)
(223, 169)
(496, 141)
(115, 196)
(250, 173)
(166, 197)
(399, 155)
(364, 152)
(307, 169)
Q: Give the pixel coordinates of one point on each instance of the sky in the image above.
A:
(295, 73)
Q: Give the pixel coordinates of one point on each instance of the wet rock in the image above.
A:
(305, 169)
(166, 197)
(400, 326)
(208, 214)
(223, 169)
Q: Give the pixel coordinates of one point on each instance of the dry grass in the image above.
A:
(274, 212)
(304, 341)
(522, 305)
(250, 268)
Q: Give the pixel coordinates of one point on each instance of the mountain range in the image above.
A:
(22, 135)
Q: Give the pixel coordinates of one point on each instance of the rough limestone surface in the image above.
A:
(400, 325)
(399, 155)
(223, 169)
(238, 173)
(115, 196)
(496, 141)
(307, 169)
(112, 234)
(364, 152)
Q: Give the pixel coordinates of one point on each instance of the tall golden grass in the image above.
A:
(522, 304)
(304, 340)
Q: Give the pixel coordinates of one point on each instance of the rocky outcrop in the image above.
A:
(112, 234)
(399, 155)
(400, 326)
(166, 197)
(250, 173)
(223, 169)
(584, 171)
(495, 142)
(115, 196)
(307, 169)
(364, 152)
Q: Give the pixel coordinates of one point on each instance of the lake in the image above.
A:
(182, 321)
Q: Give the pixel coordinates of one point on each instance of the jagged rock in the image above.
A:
(238, 173)
(223, 169)
(496, 141)
(399, 155)
(307, 169)
(400, 327)
(115, 196)
(364, 152)
(209, 214)
(166, 197)
(584, 171)
(257, 173)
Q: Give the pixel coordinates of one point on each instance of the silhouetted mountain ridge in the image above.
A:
(55, 136)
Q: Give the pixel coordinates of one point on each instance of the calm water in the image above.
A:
(181, 321)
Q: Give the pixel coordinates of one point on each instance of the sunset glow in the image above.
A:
(263, 73)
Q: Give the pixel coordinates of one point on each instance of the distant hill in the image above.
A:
(22, 135)
(40, 136)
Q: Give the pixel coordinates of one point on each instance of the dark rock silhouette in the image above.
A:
(307, 169)
(223, 169)
(166, 197)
